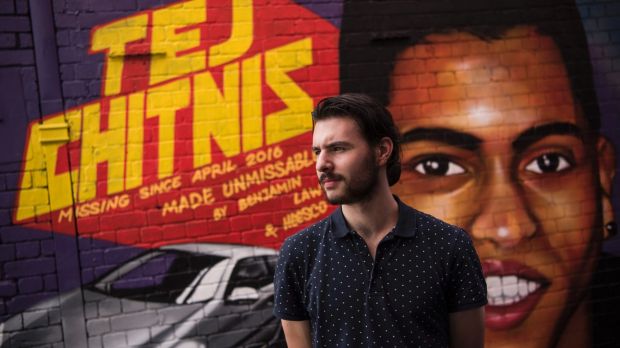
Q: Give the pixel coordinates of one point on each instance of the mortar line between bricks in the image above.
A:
(73, 327)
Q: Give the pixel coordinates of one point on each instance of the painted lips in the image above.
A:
(513, 290)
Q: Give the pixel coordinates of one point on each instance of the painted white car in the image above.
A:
(184, 295)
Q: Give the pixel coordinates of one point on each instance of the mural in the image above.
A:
(191, 157)
(193, 125)
(157, 155)
(500, 127)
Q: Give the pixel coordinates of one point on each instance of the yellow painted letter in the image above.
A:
(113, 37)
(241, 35)
(216, 115)
(171, 38)
(135, 141)
(164, 101)
(252, 103)
(102, 146)
(295, 119)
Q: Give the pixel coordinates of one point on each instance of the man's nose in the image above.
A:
(504, 217)
(323, 163)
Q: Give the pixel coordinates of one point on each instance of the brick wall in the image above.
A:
(28, 268)
(172, 132)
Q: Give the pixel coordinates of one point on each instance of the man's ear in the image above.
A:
(606, 172)
(384, 150)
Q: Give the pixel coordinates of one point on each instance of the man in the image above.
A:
(499, 118)
(375, 273)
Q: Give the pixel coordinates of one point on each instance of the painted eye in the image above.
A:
(438, 166)
(548, 163)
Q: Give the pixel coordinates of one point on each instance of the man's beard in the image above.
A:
(358, 188)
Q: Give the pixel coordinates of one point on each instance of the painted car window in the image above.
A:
(252, 272)
(159, 277)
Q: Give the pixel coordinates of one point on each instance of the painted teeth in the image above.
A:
(506, 290)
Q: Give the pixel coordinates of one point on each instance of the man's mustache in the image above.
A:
(329, 176)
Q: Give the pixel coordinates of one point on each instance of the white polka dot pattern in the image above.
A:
(424, 269)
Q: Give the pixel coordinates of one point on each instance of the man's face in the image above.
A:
(345, 164)
(494, 142)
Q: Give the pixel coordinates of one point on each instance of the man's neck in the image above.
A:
(373, 218)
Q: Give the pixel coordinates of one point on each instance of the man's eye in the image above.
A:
(548, 163)
(438, 166)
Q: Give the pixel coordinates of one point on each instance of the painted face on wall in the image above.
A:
(494, 142)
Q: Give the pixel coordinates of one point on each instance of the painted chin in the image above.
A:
(513, 291)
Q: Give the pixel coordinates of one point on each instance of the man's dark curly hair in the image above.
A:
(372, 118)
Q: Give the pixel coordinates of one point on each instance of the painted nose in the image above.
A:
(504, 218)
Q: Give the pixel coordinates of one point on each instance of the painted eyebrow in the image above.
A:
(443, 135)
(534, 134)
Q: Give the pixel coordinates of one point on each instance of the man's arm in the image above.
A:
(467, 328)
(297, 333)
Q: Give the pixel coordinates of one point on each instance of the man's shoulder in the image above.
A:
(300, 249)
(308, 236)
(427, 223)
(435, 232)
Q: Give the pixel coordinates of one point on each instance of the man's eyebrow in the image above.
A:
(443, 135)
(333, 144)
(338, 143)
(534, 134)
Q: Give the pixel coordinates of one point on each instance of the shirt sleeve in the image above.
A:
(289, 283)
(467, 287)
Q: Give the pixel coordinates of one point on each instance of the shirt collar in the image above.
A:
(405, 226)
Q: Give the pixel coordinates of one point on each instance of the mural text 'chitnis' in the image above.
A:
(204, 115)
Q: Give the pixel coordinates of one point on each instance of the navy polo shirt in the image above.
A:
(424, 269)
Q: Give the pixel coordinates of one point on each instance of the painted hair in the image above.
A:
(373, 33)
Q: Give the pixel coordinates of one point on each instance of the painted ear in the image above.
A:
(606, 172)
(384, 150)
(606, 163)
